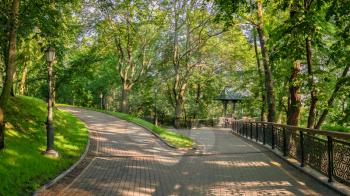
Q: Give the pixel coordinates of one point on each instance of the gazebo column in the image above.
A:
(225, 107)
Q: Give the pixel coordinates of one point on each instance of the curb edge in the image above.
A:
(63, 174)
(336, 186)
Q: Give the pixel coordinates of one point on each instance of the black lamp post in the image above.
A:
(50, 57)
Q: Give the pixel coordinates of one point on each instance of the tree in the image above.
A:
(191, 27)
(133, 29)
(239, 10)
(10, 67)
(337, 14)
(32, 17)
(294, 104)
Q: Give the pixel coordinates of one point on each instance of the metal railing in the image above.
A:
(325, 151)
(197, 123)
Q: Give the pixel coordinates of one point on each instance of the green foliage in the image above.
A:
(98, 41)
(336, 128)
(23, 168)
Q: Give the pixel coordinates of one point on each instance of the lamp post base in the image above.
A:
(51, 153)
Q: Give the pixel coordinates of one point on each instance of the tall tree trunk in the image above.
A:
(22, 84)
(14, 85)
(295, 97)
(330, 101)
(311, 82)
(261, 80)
(312, 87)
(270, 96)
(178, 112)
(124, 103)
(198, 96)
(10, 68)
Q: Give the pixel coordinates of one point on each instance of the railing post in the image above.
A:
(272, 137)
(241, 128)
(264, 134)
(257, 131)
(251, 130)
(330, 158)
(302, 148)
(246, 130)
(284, 142)
(236, 127)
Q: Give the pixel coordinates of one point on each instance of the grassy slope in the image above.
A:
(22, 166)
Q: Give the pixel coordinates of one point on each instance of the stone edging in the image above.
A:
(336, 186)
(62, 175)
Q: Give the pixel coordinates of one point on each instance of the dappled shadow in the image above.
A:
(191, 175)
(130, 161)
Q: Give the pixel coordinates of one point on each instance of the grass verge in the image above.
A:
(23, 168)
(174, 139)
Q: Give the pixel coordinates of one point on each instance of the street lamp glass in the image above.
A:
(50, 54)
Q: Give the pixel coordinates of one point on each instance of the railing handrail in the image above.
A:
(335, 134)
(203, 119)
(319, 153)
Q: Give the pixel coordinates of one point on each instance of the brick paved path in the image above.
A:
(125, 159)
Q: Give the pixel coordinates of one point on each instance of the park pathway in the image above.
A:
(125, 159)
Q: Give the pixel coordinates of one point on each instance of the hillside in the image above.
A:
(22, 166)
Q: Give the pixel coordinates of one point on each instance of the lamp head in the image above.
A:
(50, 54)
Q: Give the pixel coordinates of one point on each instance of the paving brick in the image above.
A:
(125, 159)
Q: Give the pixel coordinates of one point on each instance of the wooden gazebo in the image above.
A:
(229, 95)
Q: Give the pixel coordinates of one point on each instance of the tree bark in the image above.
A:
(330, 101)
(261, 79)
(14, 85)
(295, 97)
(10, 68)
(22, 84)
(270, 97)
(178, 112)
(312, 87)
(124, 103)
(198, 96)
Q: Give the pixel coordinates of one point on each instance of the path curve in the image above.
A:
(125, 159)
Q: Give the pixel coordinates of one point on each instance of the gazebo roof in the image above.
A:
(228, 94)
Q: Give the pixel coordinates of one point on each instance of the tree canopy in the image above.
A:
(171, 58)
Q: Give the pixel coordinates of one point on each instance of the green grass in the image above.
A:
(339, 128)
(173, 138)
(23, 168)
